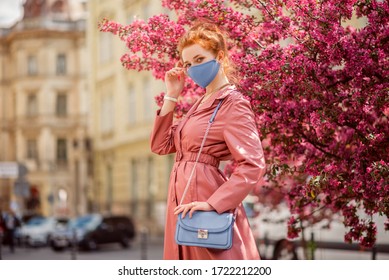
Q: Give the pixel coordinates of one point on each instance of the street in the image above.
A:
(154, 250)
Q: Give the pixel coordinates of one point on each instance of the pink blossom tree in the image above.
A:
(319, 89)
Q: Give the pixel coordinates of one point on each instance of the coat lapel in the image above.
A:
(220, 95)
(185, 119)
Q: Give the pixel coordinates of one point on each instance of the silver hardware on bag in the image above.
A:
(202, 234)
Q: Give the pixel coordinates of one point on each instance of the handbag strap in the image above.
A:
(211, 120)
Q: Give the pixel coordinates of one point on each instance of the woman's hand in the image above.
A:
(191, 207)
(175, 81)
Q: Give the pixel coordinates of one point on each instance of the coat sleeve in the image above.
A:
(241, 136)
(162, 136)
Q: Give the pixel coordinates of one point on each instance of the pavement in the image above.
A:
(152, 250)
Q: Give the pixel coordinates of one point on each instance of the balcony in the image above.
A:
(48, 24)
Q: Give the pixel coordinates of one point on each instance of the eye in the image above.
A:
(186, 65)
(199, 59)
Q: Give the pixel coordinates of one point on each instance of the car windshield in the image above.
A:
(36, 221)
(89, 221)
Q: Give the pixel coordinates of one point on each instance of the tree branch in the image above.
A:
(317, 146)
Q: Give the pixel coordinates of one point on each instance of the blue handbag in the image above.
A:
(206, 228)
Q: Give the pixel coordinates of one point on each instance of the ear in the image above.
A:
(220, 56)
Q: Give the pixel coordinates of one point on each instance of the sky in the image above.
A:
(10, 11)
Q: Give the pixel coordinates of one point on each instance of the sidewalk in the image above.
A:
(152, 250)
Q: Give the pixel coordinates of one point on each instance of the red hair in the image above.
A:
(209, 36)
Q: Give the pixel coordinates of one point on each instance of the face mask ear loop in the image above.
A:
(221, 62)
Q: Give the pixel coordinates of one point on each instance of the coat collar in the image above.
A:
(219, 95)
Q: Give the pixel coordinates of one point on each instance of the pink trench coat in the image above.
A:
(233, 135)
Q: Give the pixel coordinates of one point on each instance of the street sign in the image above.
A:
(22, 188)
(12, 170)
(9, 169)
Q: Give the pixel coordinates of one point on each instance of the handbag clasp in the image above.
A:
(202, 234)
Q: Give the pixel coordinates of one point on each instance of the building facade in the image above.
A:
(129, 179)
(43, 109)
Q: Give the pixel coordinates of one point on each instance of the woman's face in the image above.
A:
(195, 55)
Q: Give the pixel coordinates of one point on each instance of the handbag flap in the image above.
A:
(209, 220)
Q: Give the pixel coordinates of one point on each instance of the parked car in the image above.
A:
(27, 217)
(91, 230)
(38, 230)
(270, 229)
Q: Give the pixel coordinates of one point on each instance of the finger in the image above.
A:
(194, 206)
(183, 214)
(179, 206)
(178, 210)
(178, 73)
(179, 63)
(178, 70)
(192, 211)
(170, 73)
(186, 209)
(174, 73)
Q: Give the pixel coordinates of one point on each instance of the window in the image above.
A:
(90, 166)
(131, 105)
(146, 10)
(61, 64)
(109, 188)
(32, 105)
(32, 65)
(150, 188)
(32, 150)
(62, 152)
(149, 100)
(61, 106)
(107, 114)
(134, 186)
(106, 51)
(131, 16)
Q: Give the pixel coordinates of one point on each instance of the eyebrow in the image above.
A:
(193, 58)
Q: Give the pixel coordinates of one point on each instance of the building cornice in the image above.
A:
(44, 34)
(43, 28)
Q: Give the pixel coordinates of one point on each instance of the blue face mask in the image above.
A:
(203, 74)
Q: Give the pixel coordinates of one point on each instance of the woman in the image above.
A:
(233, 135)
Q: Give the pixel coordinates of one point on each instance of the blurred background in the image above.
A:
(76, 170)
(74, 124)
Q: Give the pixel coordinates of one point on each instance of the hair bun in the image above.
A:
(206, 25)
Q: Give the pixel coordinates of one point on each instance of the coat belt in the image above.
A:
(204, 158)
